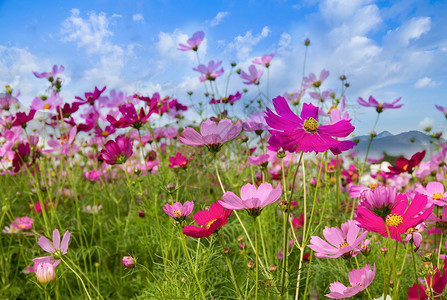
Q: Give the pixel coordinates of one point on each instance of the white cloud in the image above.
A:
(412, 29)
(138, 18)
(218, 18)
(284, 41)
(426, 82)
(243, 45)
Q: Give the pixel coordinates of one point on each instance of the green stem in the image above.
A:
(415, 271)
(230, 267)
(156, 281)
(256, 264)
(77, 275)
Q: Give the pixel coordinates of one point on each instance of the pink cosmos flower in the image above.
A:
(109, 130)
(254, 76)
(293, 133)
(264, 60)
(442, 109)
(23, 223)
(342, 242)
(378, 199)
(118, 151)
(213, 136)
(414, 234)
(312, 81)
(93, 175)
(359, 279)
(179, 211)
(56, 70)
(48, 104)
(252, 199)
(178, 161)
(437, 282)
(210, 72)
(379, 106)
(255, 122)
(64, 143)
(193, 43)
(259, 160)
(57, 248)
(435, 191)
(399, 220)
(211, 221)
(375, 160)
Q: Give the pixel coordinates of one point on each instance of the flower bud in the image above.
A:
(170, 187)
(272, 268)
(128, 262)
(307, 42)
(384, 249)
(226, 251)
(233, 64)
(141, 213)
(251, 264)
(45, 273)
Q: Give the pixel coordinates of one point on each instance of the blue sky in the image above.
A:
(387, 49)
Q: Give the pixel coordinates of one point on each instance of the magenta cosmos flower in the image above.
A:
(23, 223)
(179, 211)
(264, 60)
(435, 191)
(252, 199)
(359, 279)
(178, 161)
(117, 152)
(130, 117)
(211, 221)
(399, 220)
(254, 76)
(379, 106)
(90, 97)
(57, 248)
(210, 72)
(304, 133)
(193, 42)
(212, 135)
(342, 242)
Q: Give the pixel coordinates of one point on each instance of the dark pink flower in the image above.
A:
(193, 43)
(90, 98)
(399, 220)
(379, 106)
(305, 133)
(210, 72)
(178, 161)
(254, 76)
(118, 151)
(211, 221)
(130, 117)
(128, 262)
(22, 118)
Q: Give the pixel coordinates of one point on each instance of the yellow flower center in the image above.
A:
(177, 213)
(105, 133)
(311, 125)
(373, 186)
(394, 220)
(46, 106)
(405, 167)
(208, 225)
(22, 226)
(437, 196)
(343, 245)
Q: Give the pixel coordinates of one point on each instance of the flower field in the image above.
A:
(118, 196)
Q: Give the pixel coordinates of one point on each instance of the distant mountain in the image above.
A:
(406, 144)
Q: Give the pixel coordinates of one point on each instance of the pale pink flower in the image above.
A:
(57, 248)
(436, 193)
(179, 211)
(252, 199)
(359, 279)
(264, 60)
(254, 76)
(342, 242)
